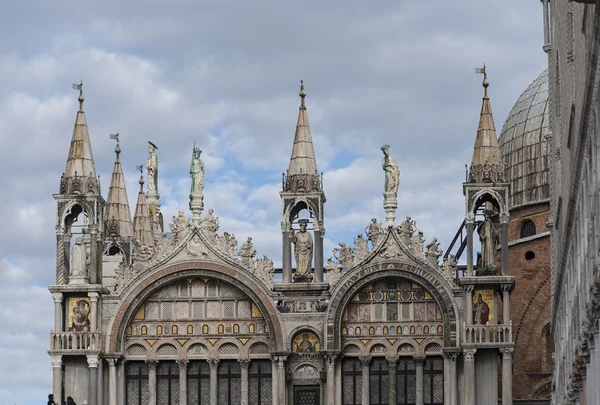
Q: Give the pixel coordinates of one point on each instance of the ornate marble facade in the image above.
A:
(192, 317)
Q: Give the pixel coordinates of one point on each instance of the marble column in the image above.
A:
(63, 260)
(152, 364)
(281, 379)
(57, 377)
(274, 381)
(470, 220)
(365, 361)
(446, 379)
(93, 378)
(100, 388)
(121, 382)
(112, 381)
(453, 378)
(287, 257)
(244, 363)
(338, 383)
(318, 256)
(469, 376)
(182, 381)
(419, 363)
(504, 241)
(469, 304)
(93, 266)
(330, 395)
(392, 368)
(507, 361)
(213, 364)
(93, 312)
(58, 299)
(505, 304)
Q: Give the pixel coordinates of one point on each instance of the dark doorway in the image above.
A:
(307, 395)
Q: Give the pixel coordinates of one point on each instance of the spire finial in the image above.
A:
(485, 83)
(302, 93)
(141, 169)
(117, 148)
(81, 98)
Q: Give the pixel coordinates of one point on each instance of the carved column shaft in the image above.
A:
(365, 361)
(507, 360)
(112, 382)
(57, 378)
(182, 382)
(392, 368)
(152, 382)
(213, 365)
(93, 311)
(546, 23)
(318, 257)
(58, 298)
(330, 397)
(274, 381)
(504, 248)
(505, 307)
(469, 372)
(62, 259)
(287, 257)
(469, 306)
(281, 379)
(93, 267)
(93, 379)
(470, 229)
(419, 363)
(244, 380)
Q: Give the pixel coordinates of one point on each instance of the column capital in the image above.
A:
(56, 360)
(58, 297)
(212, 362)
(182, 363)
(244, 362)
(93, 296)
(507, 352)
(451, 353)
(365, 360)
(152, 364)
(469, 354)
(92, 360)
(392, 360)
(330, 356)
(419, 359)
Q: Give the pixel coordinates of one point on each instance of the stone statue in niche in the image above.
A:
(80, 260)
(433, 251)
(344, 255)
(179, 226)
(392, 172)
(197, 173)
(264, 270)
(418, 242)
(374, 232)
(152, 167)
(303, 251)
(406, 230)
(211, 224)
(488, 235)
(481, 311)
(333, 271)
(247, 253)
(362, 247)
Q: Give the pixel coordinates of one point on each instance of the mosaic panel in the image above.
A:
(79, 314)
(483, 307)
(306, 342)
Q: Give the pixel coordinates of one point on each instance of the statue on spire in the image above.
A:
(197, 173)
(303, 251)
(152, 167)
(390, 191)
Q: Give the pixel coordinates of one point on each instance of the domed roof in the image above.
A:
(524, 146)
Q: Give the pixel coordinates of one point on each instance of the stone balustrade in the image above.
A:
(75, 341)
(487, 334)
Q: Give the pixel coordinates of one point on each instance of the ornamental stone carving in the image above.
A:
(433, 252)
(417, 244)
(179, 227)
(374, 232)
(361, 248)
(210, 225)
(344, 255)
(247, 253)
(333, 271)
(406, 230)
(264, 270)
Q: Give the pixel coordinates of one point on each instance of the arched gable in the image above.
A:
(138, 293)
(352, 283)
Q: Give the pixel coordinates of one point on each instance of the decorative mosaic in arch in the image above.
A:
(197, 306)
(392, 307)
(306, 342)
(78, 314)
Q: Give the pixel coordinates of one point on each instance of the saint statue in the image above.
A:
(481, 312)
(152, 167)
(406, 230)
(179, 226)
(303, 250)
(247, 252)
(197, 172)
(488, 236)
(211, 224)
(392, 172)
(79, 259)
(374, 232)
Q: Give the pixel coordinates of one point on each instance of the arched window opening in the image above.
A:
(351, 381)
(229, 382)
(198, 383)
(406, 382)
(259, 382)
(433, 381)
(167, 383)
(114, 250)
(528, 229)
(379, 381)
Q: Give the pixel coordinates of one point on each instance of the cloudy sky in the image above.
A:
(226, 76)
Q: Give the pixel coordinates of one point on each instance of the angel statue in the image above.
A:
(392, 172)
(197, 173)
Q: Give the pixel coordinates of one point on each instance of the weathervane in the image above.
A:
(114, 136)
(140, 168)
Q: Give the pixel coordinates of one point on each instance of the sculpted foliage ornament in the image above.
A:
(344, 255)
(333, 271)
(449, 267)
(124, 274)
(433, 252)
(361, 247)
(418, 242)
(247, 253)
(264, 270)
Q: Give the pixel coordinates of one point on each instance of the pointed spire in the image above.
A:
(302, 174)
(80, 161)
(486, 152)
(142, 220)
(118, 215)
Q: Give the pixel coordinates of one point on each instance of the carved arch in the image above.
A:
(539, 390)
(487, 195)
(296, 331)
(430, 280)
(137, 294)
(167, 342)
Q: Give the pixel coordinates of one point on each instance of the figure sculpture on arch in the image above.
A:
(303, 252)
(152, 167)
(374, 232)
(390, 191)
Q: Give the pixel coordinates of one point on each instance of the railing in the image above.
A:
(75, 341)
(491, 334)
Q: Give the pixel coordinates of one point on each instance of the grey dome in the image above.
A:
(524, 147)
